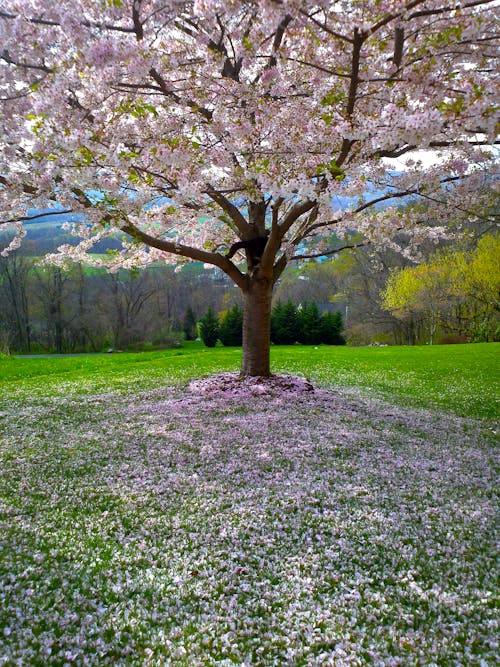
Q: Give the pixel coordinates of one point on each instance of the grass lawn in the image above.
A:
(460, 378)
(144, 524)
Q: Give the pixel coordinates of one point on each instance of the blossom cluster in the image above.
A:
(210, 104)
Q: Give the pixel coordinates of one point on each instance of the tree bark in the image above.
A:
(257, 328)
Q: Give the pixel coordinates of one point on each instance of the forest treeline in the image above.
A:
(290, 324)
(381, 297)
(49, 309)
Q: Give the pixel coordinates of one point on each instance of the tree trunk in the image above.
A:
(257, 328)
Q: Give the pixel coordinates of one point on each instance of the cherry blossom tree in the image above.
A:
(188, 126)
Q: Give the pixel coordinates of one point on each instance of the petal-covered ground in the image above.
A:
(212, 525)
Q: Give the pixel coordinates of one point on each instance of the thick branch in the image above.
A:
(278, 38)
(357, 42)
(399, 40)
(356, 58)
(294, 213)
(310, 225)
(181, 250)
(138, 28)
(228, 207)
(206, 113)
(278, 231)
(275, 208)
(279, 267)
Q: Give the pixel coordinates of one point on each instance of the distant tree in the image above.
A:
(189, 324)
(360, 276)
(130, 291)
(481, 280)
(231, 326)
(208, 327)
(331, 328)
(14, 301)
(309, 323)
(53, 293)
(285, 324)
(419, 291)
(455, 289)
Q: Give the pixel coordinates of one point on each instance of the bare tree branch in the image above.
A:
(56, 24)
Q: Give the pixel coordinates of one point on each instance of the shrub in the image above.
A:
(168, 339)
(452, 339)
(231, 327)
(208, 327)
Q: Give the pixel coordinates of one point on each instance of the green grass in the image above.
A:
(460, 378)
(143, 524)
(464, 379)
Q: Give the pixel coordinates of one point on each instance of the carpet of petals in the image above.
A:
(215, 525)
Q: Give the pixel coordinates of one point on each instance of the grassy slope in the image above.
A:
(172, 529)
(460, 378)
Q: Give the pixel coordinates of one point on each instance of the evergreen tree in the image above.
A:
(209, 328)
(231, 327)
(332, 326)
(189, 324)
(284, 324)
(276, 320)
(309, 324)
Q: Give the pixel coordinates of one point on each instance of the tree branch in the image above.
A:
(279, 267)
(449, 8)
(324, 27)
(278, 38)
(229, 208)
(293, 214)
(357, 43)
(29, 218)
(328, 253)
(397, 152)
(399, 40)
(6, 57)
(56, 24)
(214, 258)
(206, 113)
(138, 27)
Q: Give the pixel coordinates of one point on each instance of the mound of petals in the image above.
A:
(233, 384)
